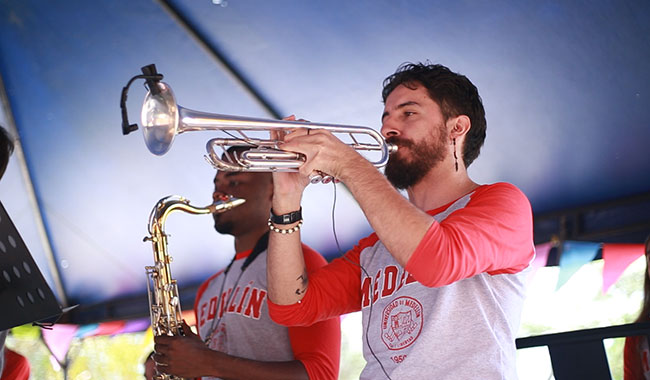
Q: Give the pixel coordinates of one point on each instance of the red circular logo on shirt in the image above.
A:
(401, 323)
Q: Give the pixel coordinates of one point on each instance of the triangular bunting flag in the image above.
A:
(617, 258)
(110, 328)
(575, 254)
(58, 339)
(87, 330)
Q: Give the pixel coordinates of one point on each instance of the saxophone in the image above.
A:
(164, 300)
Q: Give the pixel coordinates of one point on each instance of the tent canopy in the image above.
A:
(565, 87)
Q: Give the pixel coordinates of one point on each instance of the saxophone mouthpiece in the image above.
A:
(225, 203)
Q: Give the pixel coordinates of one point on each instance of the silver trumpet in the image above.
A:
(162, 119)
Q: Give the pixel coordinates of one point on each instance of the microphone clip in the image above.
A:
(151, 77)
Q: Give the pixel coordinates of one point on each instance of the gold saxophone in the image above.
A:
(164, 301)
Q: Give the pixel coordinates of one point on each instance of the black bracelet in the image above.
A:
(289, 218)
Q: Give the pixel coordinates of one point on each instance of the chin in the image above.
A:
(223, 228)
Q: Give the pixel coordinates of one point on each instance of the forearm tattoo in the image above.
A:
(303, 284)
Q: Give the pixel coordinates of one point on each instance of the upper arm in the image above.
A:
(493, 233)
(318, 347)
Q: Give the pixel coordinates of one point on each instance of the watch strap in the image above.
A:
(288, 218)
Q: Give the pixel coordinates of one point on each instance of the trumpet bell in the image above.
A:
(160, 119)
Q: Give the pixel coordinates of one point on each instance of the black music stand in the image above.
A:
(24, 295)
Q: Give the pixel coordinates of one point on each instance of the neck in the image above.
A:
(247, 240)
(441, 186)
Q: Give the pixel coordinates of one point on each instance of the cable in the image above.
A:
(372, 290)
(259, 247)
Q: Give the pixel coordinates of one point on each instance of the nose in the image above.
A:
(218, 195)
(219, 190)
(388, 129)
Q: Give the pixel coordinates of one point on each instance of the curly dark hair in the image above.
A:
(455, 94)
(6, 149)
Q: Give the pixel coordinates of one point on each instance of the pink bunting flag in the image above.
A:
(541, 257)
(110, 328)
(617, 258)
(58, 339)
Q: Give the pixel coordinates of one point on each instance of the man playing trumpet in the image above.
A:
(441, 281)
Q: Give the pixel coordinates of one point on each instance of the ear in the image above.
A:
(460, 125)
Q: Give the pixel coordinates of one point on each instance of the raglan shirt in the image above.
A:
(246, 330)
(454, 311)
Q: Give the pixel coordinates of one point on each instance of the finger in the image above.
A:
(300, 133)
(277, 135)
(186, 329)
(163, 340)
(160, 360)
(160, 349)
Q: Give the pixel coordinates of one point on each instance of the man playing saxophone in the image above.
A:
(237, 339)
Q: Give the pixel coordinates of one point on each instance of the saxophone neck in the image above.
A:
(169, 204)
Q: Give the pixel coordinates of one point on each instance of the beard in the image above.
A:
(403, 172)
(222, 227)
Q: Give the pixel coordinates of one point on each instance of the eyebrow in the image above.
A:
(405, 104)
(227, 175)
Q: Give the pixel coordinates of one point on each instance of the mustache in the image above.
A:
(399, 141)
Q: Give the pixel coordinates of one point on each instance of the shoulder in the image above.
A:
(502, 192)
(499, 188)
(206, 283)
(368, 241)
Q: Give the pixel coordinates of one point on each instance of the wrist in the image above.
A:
(355, 167)
(286, 204)
(214, 363)
(286, 218)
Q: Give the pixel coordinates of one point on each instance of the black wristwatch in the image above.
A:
(289, 218)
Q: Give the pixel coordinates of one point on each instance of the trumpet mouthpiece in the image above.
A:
(392, 148)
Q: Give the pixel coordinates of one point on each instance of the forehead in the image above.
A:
(415, 94)
(242, 176)
(224, 174)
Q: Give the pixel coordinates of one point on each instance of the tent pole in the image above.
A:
(19, 156)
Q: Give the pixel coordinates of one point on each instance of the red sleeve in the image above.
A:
(318, 346)
(16, 366)
(333, 290)
(631, 359)
(493, 233)
(199, 293)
